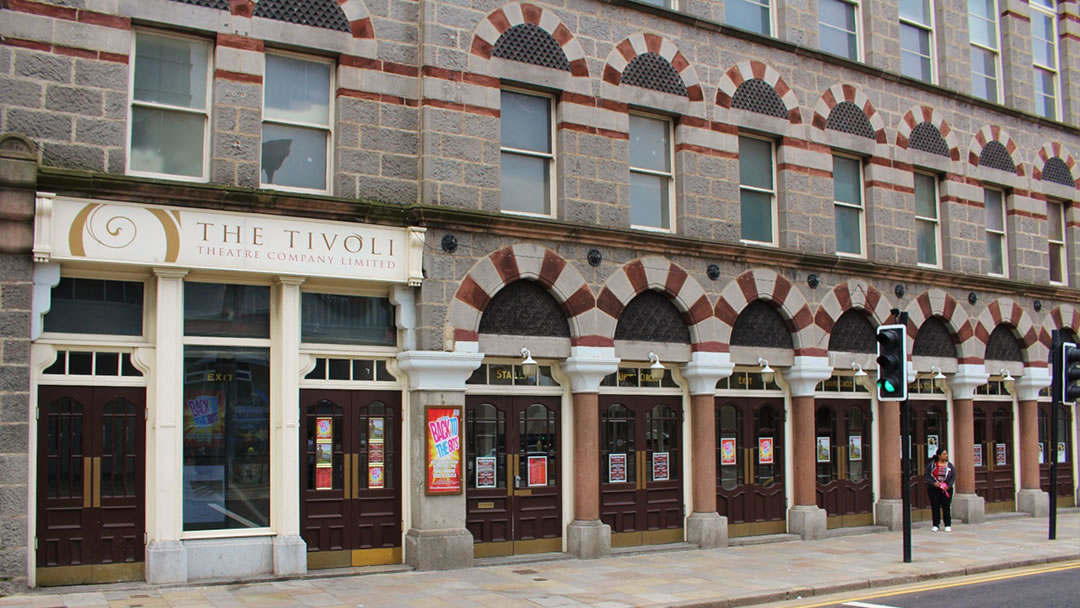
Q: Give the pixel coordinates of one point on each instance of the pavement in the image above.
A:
(720, 578)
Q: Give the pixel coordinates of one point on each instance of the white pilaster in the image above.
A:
(290, 551)
(967, 378)
(588, 365)
(704, 370)
(805, 373)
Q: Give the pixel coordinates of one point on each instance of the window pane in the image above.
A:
(1055, 263)
(525, 122)
(983, 74)
(1042, 40)
(1053, 220)
(755, 163)
(92, 306)
(171, 71)
(926, 235)
(995, 253)
(226, 437)
(748, 15)
(338, 319)
(293, 156)
(916, 10)
(756, 216)
(649, 144)
(915, 52)
(525, 183)
(982, 23)
(649, 200)
(848, 229)
(847, 186)
(837, 28)
(1045, 98)
(993, 200)
(234, 311)
(164, 141)
(297, 90)
(925, 195)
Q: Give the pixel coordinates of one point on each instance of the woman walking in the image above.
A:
(940, 478)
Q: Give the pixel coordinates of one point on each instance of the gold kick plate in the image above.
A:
(485, 505)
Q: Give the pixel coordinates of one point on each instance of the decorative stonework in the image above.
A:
(938, 303)
(1058, 165)
(1007, 312)
(841, 97)
(764, 284)
(748, 70)
(499, 21)
(979, 155)
(624, 53)
(853, 294)
(914, 131)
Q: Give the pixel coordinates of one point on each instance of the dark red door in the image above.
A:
(993, 422)
(843, 462)
(513, 497)
(350, 476)
(641, 469)
(91, 484)
(929, 431)
(750, 465)
(1063, 453)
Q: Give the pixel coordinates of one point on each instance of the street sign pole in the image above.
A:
(1056, 384)
(905, 474)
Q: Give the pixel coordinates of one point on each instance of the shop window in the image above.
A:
(995, 387)
(750, 15)
(350, 370)
(233, 311)
(926, 386)
(985, 53)
(747, 381)
(917, 39)
(1044, 56)
(927, 222)
(169, 107)
(337, 319)
(296, 123)
(508, 374)
(838, 31)
(82, 363)
(526, 157)
(848, 197)
(95, 306)
(996, 253)
(757, 190)
(650, 173)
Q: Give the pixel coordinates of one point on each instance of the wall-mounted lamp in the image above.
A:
(656, 370)
(937, 377)
(767, 373)
(855, 367)
(529, 364)
(1008, 381)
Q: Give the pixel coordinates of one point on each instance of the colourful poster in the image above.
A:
(765, 450)
(375, 478)
(1001, 454)
(660, 469)
(324, 478)
(204, 422)
(824, 450)
(727, 451)
(485, 472)
(324, 429)
(443, 449)
(616, 468)
(375, 453)
(854, 448)
(931, 446)
(538, 471)
(1042, 455)
(1061, 452)
(324, 454)
(978, 455)
(375, 429)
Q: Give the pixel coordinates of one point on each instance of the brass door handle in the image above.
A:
(841, 462)
(97, 481)
(87, 483)
(513, 462)
(356, 475)
(348, 476)
(641, 458)
(748, 454)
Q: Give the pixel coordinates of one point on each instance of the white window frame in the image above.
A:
(936, 221)
(1004, 233)
(1063, 258)
(999, 84)
(553, 167)
(328, 128)
(771, 5)
(858, 30)
(861, 207)
(669, 175)
(1055, 72)
(132, 103)
(929, 28)
(773, 205)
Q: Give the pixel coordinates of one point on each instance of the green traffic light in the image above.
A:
(888, 386)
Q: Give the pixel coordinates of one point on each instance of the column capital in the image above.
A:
(1034, 380)
(588, 365)
(433, 370)
(968, 376)
(704, 370)
(170, 273)
(289, 280)
(805, 373)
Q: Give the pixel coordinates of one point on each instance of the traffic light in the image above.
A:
(1070, 372)
(892, 362)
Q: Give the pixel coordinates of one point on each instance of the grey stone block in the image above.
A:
(116, 105)
(14, 378)
(101, 74)
(117, 159)
(969, 508)
(439, 549)
(484, 176)
(401, 167)
(15, 296)
(1034, 502)
(42, 66)
(807, 521)
(443, 170)
(290, 555)
(358, 110)
(14, 467)
(359, 161)
(6, 53)
(166, 562)
(402, 192)
(228, 92)
(13, 497)
(707, 530)
(389, 140)
(889, 512)
(76, 100)
(400, 117)
(14, 407)
(247, 175)
(39, 125)
(19, 92)
(236, 147)
(223, 171)
(13, 437)
(345, 185)
(249, 121)
(588, 539)
(224, 118)
(15, 324)
(73, 156)
(16, 351)
(13, 532)
(99, 131)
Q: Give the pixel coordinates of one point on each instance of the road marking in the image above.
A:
(865, 605)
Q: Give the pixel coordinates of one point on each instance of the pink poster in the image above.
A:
(538, 471)
(727, 451)
(765, 450)
(616, 465)
(978, 455)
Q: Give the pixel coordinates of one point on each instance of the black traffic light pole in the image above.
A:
(1056, 384)
(905, 456)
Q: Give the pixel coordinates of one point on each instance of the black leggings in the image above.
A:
(940, 503)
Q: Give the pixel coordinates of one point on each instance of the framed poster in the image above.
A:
(376, 453)
(1042, 455)
(1001, 454)
(854, 448)
(376, 429)
(324, 478)
(324, 454)
(485, 472)
(616, 468)
(376, 478)
(538, 472)
(978, 455)
(727, 451)
(443, 458)
(660, 469)
(324, 429)
(765, 450)
(931, 446)
(1061, 452)
(824, 450)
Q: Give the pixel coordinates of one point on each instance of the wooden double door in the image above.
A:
(929, 431)
(994, 455)
(843, 451)
(1063, 453)
(91, 464)
(513, 493)
(641, 491)
(350, 477)
(750, 465)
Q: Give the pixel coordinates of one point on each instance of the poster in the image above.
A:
(324, 478)
(204, 422)
(1061, 452)
(1042, 455)
(978, 455)
(324, 428)
(376, 453)
(443, 449)
(375, 477)
(727, 451)
(324, 454)
(375, 429)
(931, 446)
(1001, 454)
(616, 468)
(824, 451)
(765, 450)
(854, 448)
(485, 472)
(538, 473)
(660, 469)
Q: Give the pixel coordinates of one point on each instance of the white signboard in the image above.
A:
(197, 238)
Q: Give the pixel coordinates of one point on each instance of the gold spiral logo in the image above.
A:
(119, 231)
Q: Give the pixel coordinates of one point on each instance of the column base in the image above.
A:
(1035, 502)
(969, 508)
(707, 530)
(290, 555)
(588, 539)
(808, 521)
(166, 562)
(439, 549)
(890, 512)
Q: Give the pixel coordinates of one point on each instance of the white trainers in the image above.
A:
(934, 529)
(948, 528)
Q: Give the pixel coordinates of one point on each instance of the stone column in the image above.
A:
(966, 505)
(290, 550)
(705, 527)
(805, 518)
(1031, 499)
(437, 538)
(586, 536)
(889, 510)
